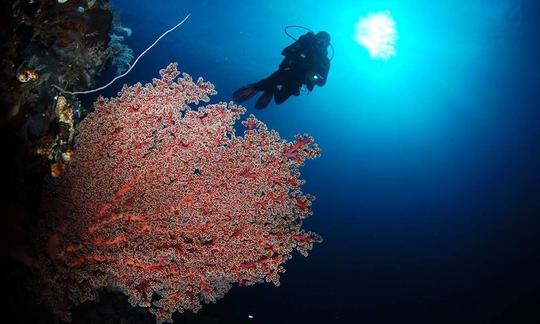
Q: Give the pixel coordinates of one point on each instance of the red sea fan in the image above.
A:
(167, 205)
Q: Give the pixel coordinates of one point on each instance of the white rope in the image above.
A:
(130, 68)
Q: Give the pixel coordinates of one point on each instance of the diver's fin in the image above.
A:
(245, 93)
(264, 100)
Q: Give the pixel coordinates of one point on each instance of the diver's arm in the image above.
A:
(322, 73)
(318, 76)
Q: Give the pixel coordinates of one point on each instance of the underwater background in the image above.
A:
(428, 187)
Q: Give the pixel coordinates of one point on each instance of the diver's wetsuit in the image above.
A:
(306, 62)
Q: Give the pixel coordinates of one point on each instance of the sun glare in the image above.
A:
(377, 33)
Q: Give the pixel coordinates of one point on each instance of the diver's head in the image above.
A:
(322, 39)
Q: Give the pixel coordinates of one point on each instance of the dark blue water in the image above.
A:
(428, 189)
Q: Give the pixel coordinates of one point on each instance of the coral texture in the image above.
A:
(166, 204)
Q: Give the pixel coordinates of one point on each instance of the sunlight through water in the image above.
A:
(377, 33)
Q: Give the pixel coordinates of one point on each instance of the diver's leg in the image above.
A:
(265, 99)
(287, 90)
(270, 82)
(270, 87)
(267, 85)
(281, 95)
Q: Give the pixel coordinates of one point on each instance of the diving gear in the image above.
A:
(312, 77)
(245, 93)
(322, 35)
(264, 100)
(305, 62)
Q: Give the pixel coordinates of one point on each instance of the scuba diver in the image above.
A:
(306, 62)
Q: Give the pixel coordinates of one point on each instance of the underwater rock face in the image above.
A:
(43, 43)
(167, 205)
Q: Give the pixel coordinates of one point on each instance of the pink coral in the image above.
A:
(168, 205)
